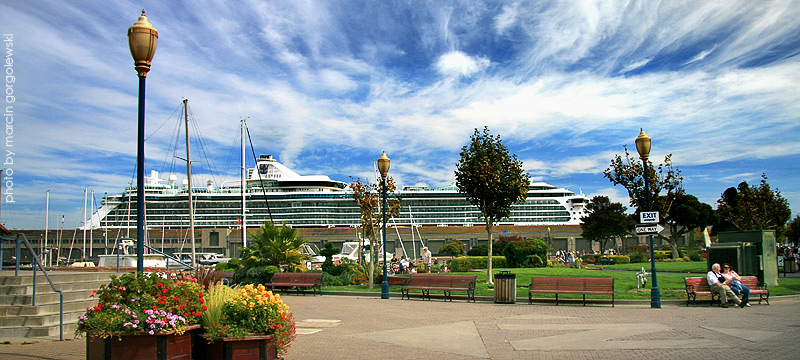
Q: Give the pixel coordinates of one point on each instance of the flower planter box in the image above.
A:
(164, 346)
(253, 347)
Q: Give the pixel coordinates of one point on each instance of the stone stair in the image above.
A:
(20, 319)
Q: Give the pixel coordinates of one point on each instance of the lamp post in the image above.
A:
(142, 38)
(643, 147)
(383, 167)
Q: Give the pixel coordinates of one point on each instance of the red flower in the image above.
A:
(200, 294)
(174, 298)
(155, 307)
(201, 300)
(185, 314)
(204, 308)
(180, 306)
(164, 290)
(160, 284)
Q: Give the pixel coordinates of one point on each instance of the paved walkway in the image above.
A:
(359, 327)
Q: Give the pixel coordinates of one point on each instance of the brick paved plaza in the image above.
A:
(358, 327)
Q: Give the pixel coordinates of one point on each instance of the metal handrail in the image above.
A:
(167, 256)
(22, 239)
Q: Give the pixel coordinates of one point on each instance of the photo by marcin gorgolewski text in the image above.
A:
(8, 113)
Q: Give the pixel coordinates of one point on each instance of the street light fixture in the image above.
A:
(643, 147)
(142, 38)
(383, 167)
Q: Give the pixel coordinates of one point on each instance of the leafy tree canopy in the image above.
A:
(755, 207)
(665, 181)
(606, 221)
(453, 247)
(793, 230)
(491, 179)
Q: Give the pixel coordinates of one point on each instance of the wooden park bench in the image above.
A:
(570, 285)
(397, 280)
(445, 283)
(756, 288)
(298, 281)
(698, 286)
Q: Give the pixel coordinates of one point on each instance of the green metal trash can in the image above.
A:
(505, 287)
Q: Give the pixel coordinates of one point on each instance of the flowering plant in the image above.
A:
(242, 311)
(150, 303)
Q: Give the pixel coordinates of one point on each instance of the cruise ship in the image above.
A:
(273, 191)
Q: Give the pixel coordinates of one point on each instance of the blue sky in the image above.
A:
(327, 85)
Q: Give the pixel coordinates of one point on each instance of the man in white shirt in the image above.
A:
(717, 284)
(426, 258)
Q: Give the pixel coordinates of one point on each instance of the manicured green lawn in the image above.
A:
(670, 282)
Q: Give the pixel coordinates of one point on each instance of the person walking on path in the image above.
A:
(426, 258)
(717, 284)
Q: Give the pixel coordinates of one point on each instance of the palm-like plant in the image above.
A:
(273, 245)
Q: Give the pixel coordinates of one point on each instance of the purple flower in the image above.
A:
(152, 332)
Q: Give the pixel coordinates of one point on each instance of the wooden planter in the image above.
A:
(253, 347)
(164, 346)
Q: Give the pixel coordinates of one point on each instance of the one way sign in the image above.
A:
(649, 229)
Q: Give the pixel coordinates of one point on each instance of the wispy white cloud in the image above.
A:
(327, 86)
(457, 63)
(700, 56)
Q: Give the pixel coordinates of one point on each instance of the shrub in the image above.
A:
(696, 256)
(619, 259)
(590, 258)
(467, 263)
(255, 275)
(638, 257)
(687, 259)
(340, 280)
(231, 265)
(534, 261)
(517, 252)
(501, 242)
(478, 250)
(453, 247)
(553, 263)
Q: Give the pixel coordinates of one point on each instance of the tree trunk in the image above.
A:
(489, 279)
(371, 263)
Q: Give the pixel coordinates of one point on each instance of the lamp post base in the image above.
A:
(655, 298)
(384, 289)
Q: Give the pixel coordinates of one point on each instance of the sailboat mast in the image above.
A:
(189, 177)
(244, 190)
(85, 194)
(91, 228)
(47, 224)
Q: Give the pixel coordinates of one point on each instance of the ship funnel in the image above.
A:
(210, 185)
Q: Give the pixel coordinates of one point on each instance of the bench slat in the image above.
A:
(568, 285)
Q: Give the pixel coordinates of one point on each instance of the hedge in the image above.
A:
(466, 263)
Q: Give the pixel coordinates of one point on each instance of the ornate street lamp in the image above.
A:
(142, 38)
(383, 167)
(643, 147)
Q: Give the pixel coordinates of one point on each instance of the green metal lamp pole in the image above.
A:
(643, 147)
(383, 167)
(142, 38)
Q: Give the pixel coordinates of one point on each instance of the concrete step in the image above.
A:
(26, 277)
(45, 288)
(38, 331)
(44, 297)
(39, 319)
(17, 310)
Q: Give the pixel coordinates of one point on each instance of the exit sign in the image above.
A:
(648, 217)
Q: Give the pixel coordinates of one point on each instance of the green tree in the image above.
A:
(664, 181)
(328, 251)
(685, 214)
(755, 207)
(453, 247)
(606, 221)
(277, 246)
(368, 199)
(793, 230)
(492, 180)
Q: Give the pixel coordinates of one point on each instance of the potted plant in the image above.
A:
(246, 320)
(142, 317)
